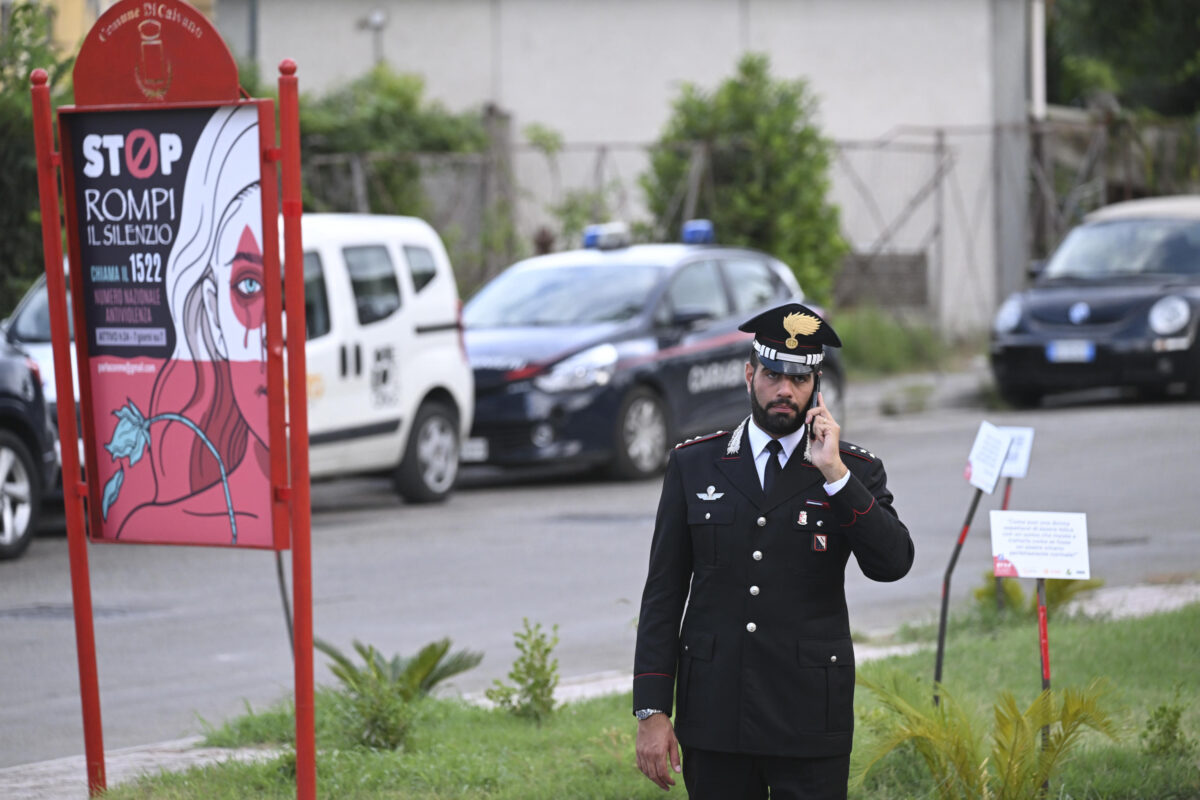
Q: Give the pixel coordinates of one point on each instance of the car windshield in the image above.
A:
(1129, 247)
(562, 295)
(32, 320)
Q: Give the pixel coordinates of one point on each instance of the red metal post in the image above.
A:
(1003, 507)
(1044, 641)
(73, 487)
(289, 129)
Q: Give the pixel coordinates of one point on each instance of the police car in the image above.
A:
(610, 354)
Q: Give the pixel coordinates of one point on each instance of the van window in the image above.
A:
(316, 304)
(752, 282)
(420, 265)
(373, 279)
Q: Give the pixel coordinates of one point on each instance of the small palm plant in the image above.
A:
(381, 691)
(1019, 763)
(1059, 592)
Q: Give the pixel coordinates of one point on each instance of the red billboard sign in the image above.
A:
(171, 176)
(167, 220)
(153, 51)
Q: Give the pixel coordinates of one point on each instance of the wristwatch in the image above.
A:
(646, 713)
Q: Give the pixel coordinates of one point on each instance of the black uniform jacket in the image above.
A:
(763, 663)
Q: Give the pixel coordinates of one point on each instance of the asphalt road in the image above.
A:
(192, 634)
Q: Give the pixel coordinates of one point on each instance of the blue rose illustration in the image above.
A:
(130, 440)
(132, 436)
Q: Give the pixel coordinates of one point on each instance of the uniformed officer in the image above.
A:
(758, 524)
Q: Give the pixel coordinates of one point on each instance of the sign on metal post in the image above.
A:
(167, 217)
(1016, 465)
(1041, 545)
(984, 462)
(170, 176)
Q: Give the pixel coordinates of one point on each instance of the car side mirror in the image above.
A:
(1036, 267)
(690, 317)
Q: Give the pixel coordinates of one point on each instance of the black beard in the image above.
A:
(773, 423)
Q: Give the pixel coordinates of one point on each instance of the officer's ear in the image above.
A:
(749, 377)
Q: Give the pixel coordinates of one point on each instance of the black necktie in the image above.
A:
(773, 466)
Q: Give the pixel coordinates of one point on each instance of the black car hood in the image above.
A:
(493, 352)
(1107, 304)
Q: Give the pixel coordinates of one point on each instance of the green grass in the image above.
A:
(876, 342)
(1144, 661)
(586, 749)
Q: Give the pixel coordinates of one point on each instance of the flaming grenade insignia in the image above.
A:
(797, 323)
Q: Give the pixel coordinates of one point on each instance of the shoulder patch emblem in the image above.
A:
(696, 439)
(855, 450)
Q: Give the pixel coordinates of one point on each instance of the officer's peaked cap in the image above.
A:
(790, 339)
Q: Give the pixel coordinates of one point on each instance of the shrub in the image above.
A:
(377, 696)
(877, 342)
(1163, 735)
(534, 675)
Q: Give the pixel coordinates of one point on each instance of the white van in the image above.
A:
(389, 386)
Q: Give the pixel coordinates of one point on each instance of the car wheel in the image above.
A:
(430, 465)
(20, 496)
(641, 435)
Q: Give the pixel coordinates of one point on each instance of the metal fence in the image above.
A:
(941, 222)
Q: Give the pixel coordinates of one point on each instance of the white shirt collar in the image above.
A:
(759, 439)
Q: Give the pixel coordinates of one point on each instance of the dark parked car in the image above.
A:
(612, 353)
(28, 460)
(1117, 305)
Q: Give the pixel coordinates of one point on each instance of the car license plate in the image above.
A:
(1071, 351)
(474, 450)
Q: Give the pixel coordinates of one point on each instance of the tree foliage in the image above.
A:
(385, 114)
(765, 182)
(1147, 53)
(24, 46)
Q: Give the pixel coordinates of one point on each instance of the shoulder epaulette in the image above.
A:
(697, 439)
(859, 452)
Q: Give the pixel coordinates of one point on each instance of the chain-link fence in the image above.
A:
(941, 222)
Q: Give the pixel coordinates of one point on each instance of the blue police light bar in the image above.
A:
(698, 231)
(606, 236)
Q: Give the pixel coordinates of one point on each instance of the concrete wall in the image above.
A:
(606, 71)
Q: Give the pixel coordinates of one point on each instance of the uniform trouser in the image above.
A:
(710, 775)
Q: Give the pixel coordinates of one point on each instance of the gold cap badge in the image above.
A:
(802, 324)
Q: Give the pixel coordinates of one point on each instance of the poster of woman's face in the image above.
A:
(172, 273)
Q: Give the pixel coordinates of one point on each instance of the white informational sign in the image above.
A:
(1019, 450)
(987, 457)
(1040, 544)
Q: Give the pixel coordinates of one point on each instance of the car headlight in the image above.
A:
(1169, 315)
(592, 367)
(1008, 316)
